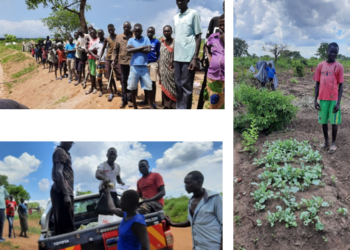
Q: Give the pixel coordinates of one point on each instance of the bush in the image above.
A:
(272, 110)
(300, 71)
(10, 38)
(242, 122)
(304, 61)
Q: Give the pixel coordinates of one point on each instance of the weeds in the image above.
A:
(293, 80)
(342, 210)
(24, 71)
(62, 100)
(249, 138)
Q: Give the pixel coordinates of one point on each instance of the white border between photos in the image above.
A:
(138, 125)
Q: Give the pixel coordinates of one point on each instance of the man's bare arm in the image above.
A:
(193, 63)
(159, 195)
(180, 224)
(111, 206)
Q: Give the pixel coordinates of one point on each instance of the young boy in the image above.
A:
(215, 50)
(100, 58)
(54, 58)
(49, 58)
(44, 56)
(329, 77)
(70, 52)
(109, 44)
(61, 59)
(133, 229)
(271, 74)
(139, 46)
(92, 63)
(81, 56)
(153, 57)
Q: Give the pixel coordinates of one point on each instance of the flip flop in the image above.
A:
(94, 91)
(332, 149)
(142, 103)
(324, 146)
(101, 94)
(88, 91)
(110, 98)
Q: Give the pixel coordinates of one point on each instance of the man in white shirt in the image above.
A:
(109, 172)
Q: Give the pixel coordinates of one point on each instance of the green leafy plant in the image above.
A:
(249, 138)
(259, 223)
(293, 80)
(329, 213)
(237, 219)
(258, 206)
(342, 210)
(300, 71)
(325, 239)
(334, 179)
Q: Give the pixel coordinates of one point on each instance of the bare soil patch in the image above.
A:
(305, 127)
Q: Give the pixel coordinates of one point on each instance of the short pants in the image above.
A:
(139, 73)
(101, 69)
(62, 64)
(153, 71)
(326, 113)
(92, 66)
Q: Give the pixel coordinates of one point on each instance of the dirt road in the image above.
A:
(182, 238)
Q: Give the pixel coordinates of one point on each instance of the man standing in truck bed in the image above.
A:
(151, 188)
(62, 189)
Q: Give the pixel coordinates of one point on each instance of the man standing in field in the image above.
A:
(3, 195)
(109, 172)
(329, 77)
(11, 207)
(204, 214)
(271, 72)
(62, 189)
(151, 189)
(188, 31)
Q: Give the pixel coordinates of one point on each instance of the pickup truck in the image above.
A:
(101, 237)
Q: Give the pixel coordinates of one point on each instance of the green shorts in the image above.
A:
(92, 66)
(326, 113)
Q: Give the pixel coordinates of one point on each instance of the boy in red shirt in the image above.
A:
(329, 77)
(11, 206)
(61, 60)
(151, 188)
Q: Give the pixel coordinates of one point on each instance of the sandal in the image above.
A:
(84, 84)
(110, 98)
(94, 91)
(101, 94)
(89, 91)
(142, 103)
(332, 149)
(324, 146)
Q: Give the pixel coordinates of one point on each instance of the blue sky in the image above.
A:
(30, 164)
(15, 19)
(303, 25)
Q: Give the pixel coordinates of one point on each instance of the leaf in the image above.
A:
(316, 182)
(319, 226)
(294, 189)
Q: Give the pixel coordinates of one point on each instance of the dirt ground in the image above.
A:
(182, 238)
(40, 90)
(305, 127)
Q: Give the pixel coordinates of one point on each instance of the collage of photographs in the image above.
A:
(80, 167)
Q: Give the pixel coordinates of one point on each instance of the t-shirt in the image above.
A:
(330, 75)
(69, 46)
(11, 104)
(98, 46)
(3, 195)
(216, 69)
(48, 44)
(22, 208)
(80, 44)
(62, 156)
(110, 173)
(139, 58)
(153, 56)
(11, 209)
(270, 72)
(148, 186)
(60, 55)
(186, 26)
(92, 41)
(54, 57)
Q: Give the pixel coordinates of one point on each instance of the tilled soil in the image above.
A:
(306, 127)
(40, 90)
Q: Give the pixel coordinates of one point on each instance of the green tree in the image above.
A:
(73, 6)
(10, 38)
(240, 47)
(33, 205)
(82, 193)
(18, 192)
(322, 51)
(275, 49)
(4, 181)
(291, 54)
(62, 23)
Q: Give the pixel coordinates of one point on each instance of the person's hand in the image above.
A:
(317, 106)
(171, 64)
(168, 220)
(336, 108)
(122, 183)
(67, 201)
(193, 64)
(113, 63)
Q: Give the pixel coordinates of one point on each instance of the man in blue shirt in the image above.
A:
(153, 57)
(139, 46)
(70, 51)
(271, 74)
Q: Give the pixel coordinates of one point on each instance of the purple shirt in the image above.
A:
(216, 69)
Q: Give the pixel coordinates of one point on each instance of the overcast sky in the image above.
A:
(30, 164)
(303, 24)
(15, 19)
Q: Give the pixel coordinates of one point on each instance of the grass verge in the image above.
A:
(24, 71)
(9, 244)
(62, 100)
(176, 208)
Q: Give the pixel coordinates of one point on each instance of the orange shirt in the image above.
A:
(148, 186)
(61, 56)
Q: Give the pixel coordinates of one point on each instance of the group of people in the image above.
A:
(170, 63)
(7, 203)
(204, 208)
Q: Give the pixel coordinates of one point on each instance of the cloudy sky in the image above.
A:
(30, 164)
(301, 24)
(15, 19)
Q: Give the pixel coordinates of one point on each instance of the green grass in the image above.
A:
(9, 244)
(24, 71)
(18, 57)
(176, 208)
(32, 230)
(62, 100)
(34, 216)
